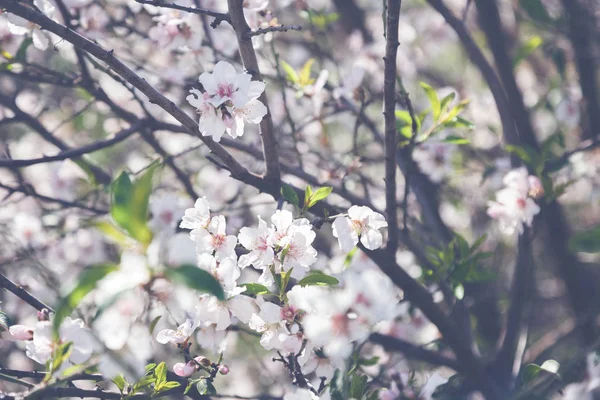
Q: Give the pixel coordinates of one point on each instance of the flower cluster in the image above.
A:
(292, 322)
(229, 101)
(514, 206)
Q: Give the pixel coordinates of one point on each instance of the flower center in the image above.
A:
(225, 90)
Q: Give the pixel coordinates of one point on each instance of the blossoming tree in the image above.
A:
(299, 199)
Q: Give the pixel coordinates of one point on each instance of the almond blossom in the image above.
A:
(228, 102)
(42, 346)
(20, 26)
(214, 239)
(179, 336)
(514, 207)
(271, 323)
(256, 241)
(361, 222)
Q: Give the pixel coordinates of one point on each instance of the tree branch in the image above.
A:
(419, 353)
(389, 101)
(219, 17)
(509, 357)
(75, 153)
(270, 145)
(22, 294)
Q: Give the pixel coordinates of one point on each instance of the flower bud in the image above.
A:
(184, 369)
(536, 189)
(223, 369)
(43, 315)
(205, 362)
(21, 332)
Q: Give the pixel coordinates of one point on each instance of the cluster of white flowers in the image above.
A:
(515, 206)
(303, 318)
(229, 101)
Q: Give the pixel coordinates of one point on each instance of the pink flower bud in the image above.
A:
(224, 369)
(21, 332)
(536, 189)
(184, 369)
(203, 361)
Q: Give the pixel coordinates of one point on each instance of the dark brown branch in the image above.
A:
(412, 351)
(29, 191)
(508, 359)
(75, 153)
(22, 294)
(219, 17)
(33, 123)
(270, 145)
(278, 28)
(583, 23)
(389, 101)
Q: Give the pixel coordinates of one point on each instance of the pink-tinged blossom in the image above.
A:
(270, 321)
(225, 271)
(21, 332)
(212, 312)
(43, 345)
(292, 239)
(197, 217)
(361, 222)
(212, 122)
(230, 100)
(513, 207)
(255, 240)
(181, 335)
(214, 239)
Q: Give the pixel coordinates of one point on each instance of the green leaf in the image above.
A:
(129, 206)
(587, 241)
(291, 74)
(459, 122)
(254, 288)
(60, 355)
(368, 362)
(532, 371)
(434, 100)
(307, 195)
(536, 10)
(358, 386)
(205, 387)
(446, 101)
(349, 257)
(86, 283)
(319, 195)
(4, 321)
(290, 195)
(527, 48)
(120, 381)
(160, 373)
(459, 291)
(112, 232)
(163, 387)
(551, 366)
(197, 279)
(304, 77)
(317, 278)
(21, 54)
(153, 324)
(456, 140)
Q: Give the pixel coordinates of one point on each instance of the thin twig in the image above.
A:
(279, 28)
(219, 17)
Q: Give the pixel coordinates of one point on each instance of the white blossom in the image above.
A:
(361, 222)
